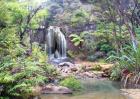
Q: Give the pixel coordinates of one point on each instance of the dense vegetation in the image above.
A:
(113, 34)
(21, 67)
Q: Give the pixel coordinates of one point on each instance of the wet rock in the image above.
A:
(89, 68)
(68, 64)
(53, 89)
(74, 69)
(105, 75)
(1, 88)
(106, 72)
(98, 73)
(89, 74)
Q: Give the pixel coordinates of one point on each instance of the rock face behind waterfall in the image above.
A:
(56, 43)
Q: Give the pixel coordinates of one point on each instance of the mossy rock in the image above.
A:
(72, 83)
(97, 68)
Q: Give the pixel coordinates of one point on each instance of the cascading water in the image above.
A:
(56, 43)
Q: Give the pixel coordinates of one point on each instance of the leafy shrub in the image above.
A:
(115, 72)
(18, 75)
(128, 60)
(104, 46)
(77, 39)
(19, 72)
(72, 83)
(89, 44)
(72, 54)
(79, 16)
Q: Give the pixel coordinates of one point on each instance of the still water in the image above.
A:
(93, 89)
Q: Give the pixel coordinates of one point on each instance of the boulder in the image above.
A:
(1, 88)
(89, 68)
(53, 89)
(87, 74)
(68, 64)
(74, 69)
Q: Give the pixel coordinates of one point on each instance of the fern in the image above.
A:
(128, 59)
(77, 40)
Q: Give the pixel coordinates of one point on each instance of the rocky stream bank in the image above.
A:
(82, 71)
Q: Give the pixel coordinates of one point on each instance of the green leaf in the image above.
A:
(74, 35)
(77, 43)
(75, 39)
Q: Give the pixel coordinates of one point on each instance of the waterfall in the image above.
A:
(56, 43)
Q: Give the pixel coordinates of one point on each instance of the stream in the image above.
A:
(92, 89)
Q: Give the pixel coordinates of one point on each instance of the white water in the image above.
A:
(56, 43)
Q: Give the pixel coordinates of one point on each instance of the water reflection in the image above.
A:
(93, 89)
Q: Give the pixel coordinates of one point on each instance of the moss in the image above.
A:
(72, 83)
(97, 68)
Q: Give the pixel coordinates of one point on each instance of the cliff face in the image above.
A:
(71, 15)
(76, 16)
(80, 15)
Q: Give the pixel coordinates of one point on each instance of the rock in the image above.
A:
(36, 91)
(88, 74)
(53, 89)
(89, 68)
(74, 69)
(1, 88)
(48, 88)
(106, 72)
(92, 68)
(68, 64)
(98, 73)
(105, 75)
(100, 54)
(131, 93)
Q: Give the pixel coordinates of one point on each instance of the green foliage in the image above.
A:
(79, 40)
(115, 72)
(128, 60)
(72, 83)
(38, 18)
(72, 54)
(17, 11)
(106, 40)
(22, 73)
(76, 39)
(20, 69)
(4, 98)
(104, 46)
(22, 17)
(79, 16)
